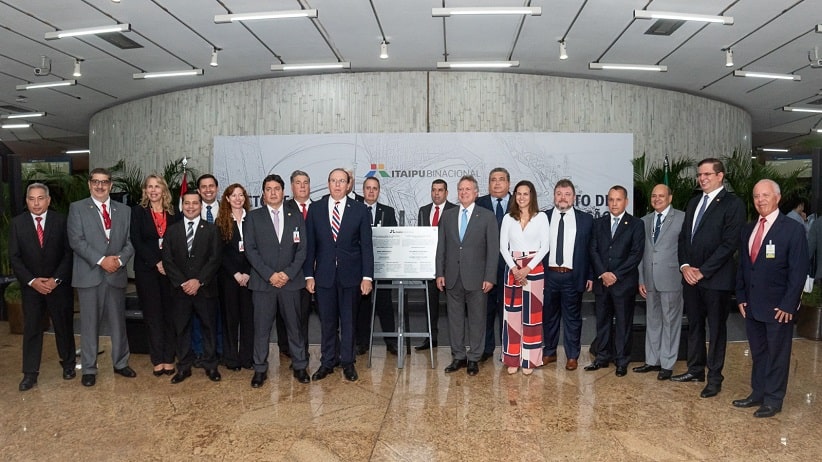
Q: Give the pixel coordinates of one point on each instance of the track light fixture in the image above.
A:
(77, 72)
(384, 50)
(563, 52)
(729, 57)
(214, 52)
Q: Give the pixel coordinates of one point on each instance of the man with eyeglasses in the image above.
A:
(710, 235)
(98, 231)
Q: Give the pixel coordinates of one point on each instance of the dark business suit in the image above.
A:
(30, 261)
(424, 219)
(563, 290)
(202, 264)
(154, 290)
(383, 216)
(495, 296)
(338, 268)
(268, 256)
(772, 281)
(305, 298)
(466, 264)
(621, 255)
(102, 295)
(711, 250)
(238, 311)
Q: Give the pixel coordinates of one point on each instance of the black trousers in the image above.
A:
(60, 306)
(238, 323)
(156, 298)
(205, 309)
(709, 305)
(618, 307)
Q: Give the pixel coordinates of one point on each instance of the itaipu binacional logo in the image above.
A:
(377, 169)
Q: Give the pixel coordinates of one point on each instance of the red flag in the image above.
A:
(183, 189)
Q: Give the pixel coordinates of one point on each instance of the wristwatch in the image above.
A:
(58, 281)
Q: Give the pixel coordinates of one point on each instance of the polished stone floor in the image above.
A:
(413, 414)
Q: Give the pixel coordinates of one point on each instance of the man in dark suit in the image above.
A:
(467, 252)
(98, 231)
(430, 215)
(191, 258)
(773, 264)
(497, 199)
(275, 247)
(339, 266)
(379, 215)
(568, 274)
(300, 201)
(40, 256)
(707, 242)
(616, 250)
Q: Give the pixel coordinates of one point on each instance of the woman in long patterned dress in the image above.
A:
(523, 244)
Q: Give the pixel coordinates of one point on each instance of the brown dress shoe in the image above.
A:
(571, 365)
(546, 360)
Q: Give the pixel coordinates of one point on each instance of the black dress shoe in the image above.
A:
(168, 371)
(69, 373)
(688, 377)
(425, 346)
(473, 368)
(350, 373)
(664, 374)
(747, 402)
(455, 365)
(234, 368)
(198, 362)
(29, 381)
(321, 373)
(391, 348)
(621, 371)
(126, 372)
(710, 391)
(159, 373)
(88, 380)
(484, 356)
(258, 379)
(302, 376)
(180, 376)
(766, 411)
(213, 375)
(646, 368)
(595, 366)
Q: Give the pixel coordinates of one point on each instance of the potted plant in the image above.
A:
(809, 317)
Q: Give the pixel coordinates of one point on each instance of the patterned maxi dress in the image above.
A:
(522, 317)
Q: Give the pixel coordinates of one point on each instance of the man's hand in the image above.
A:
(279, 279)
(692, 275)
(589, 285)
(441, 284)
(110, 263)
(365, 287)
(782, 316)
(643, 291)
(742, 307)
(487, 286)
(191, 287)
(160, 268)
(608, 278)
(43, 285)
(309, 285)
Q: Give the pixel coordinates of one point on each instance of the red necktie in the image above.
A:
(305, 211)
(757, 243)
(40, 232)
(436, 220)
(106, 217)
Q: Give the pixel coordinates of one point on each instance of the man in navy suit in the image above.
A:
(339, 267)
(568, 274)
(497, 199)
(380, 215)
(707, 243)
(773, 264)
(616, 251)
(40, 256)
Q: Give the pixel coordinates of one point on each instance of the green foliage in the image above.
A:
(129, 180)
(742, 173)
(646, 176)
(173, 174)
(13, 293)
(64, 188)
(814, 298)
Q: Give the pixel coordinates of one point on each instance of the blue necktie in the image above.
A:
(699, 216)
(658, 226)
(464, 223)
(500, 213)
(614, 226)
(209, 215)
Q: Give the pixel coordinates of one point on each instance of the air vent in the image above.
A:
(120, 41)
(664, 27)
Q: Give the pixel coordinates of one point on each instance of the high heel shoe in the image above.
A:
(527, 371)
(512, 370)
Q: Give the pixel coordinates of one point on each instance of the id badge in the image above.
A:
(241, 246)
(296, 236)
(160, 243)
(770, 251)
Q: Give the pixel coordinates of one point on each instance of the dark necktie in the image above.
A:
(499, 211)
(40, 232)
(305, 210)
(190, 236)
(335, 221)
(436, 220)
(209, 215)
(371, 214)
(658, 226)
(106, 217)
(699, 216)
(560, 238)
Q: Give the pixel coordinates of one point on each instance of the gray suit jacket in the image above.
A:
(88, 240)
(659, 270)
(268, 256)
(473, 260)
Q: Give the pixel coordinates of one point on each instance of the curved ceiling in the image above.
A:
(775, 36)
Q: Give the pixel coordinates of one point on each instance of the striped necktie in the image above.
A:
(335, 221)
(190, 236)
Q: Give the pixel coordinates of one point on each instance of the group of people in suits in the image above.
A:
(498, 258)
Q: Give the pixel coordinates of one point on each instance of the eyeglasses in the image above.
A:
(335, 181)
(99, 182)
